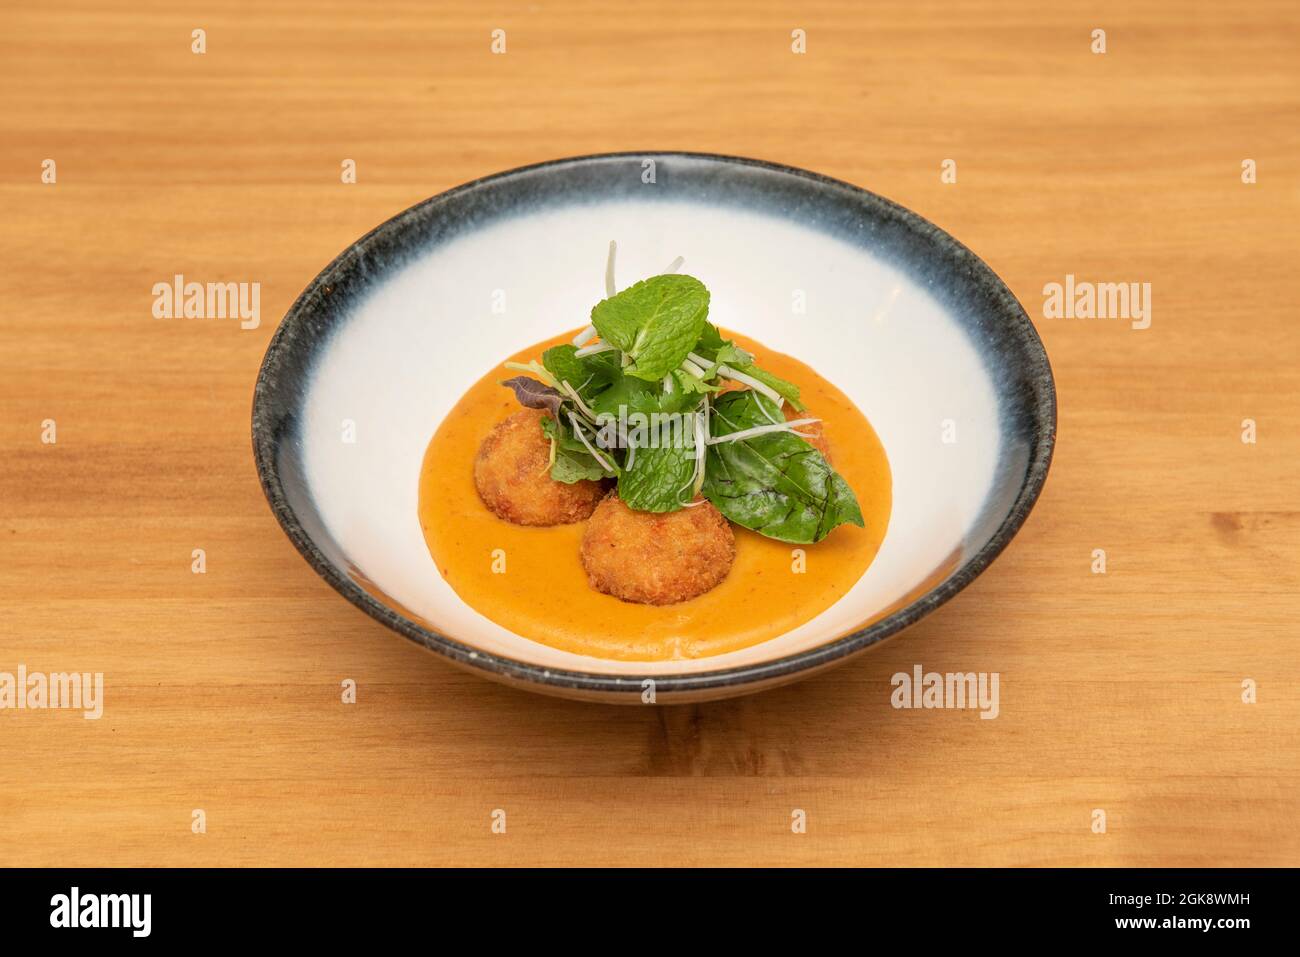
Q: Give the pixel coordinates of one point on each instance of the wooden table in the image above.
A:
(1119, 691)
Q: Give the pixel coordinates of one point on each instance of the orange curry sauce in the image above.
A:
(543, 593)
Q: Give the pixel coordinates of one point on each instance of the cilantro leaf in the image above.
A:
(720, 351)
(626, 392)
(572, 462)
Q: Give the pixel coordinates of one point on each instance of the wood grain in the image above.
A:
(1119, 691)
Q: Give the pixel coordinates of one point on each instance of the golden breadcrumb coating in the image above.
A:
(656, 558)
(513, 480)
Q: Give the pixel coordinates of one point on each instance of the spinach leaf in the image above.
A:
(656, 322)
(775, 483)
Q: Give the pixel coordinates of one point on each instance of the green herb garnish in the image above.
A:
(771, 480)
(642, 404)
(655, 323)
(571, 460)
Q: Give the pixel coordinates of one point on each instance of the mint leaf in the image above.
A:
(587, 374)
(655, 322)
(775, 483)
(659, 480)
(563, 363)
(663, 464)
(626, 392)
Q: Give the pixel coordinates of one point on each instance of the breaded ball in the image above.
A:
(813, 434)
(512, 476)
(656, 558)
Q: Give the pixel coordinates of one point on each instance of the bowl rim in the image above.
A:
(265, 442)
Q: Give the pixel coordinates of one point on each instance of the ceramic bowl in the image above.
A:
(911, 325)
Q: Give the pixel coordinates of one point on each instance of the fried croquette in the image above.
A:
(512, 477)
(656, 558)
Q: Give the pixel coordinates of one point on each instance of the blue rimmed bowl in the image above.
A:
(910, 324)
